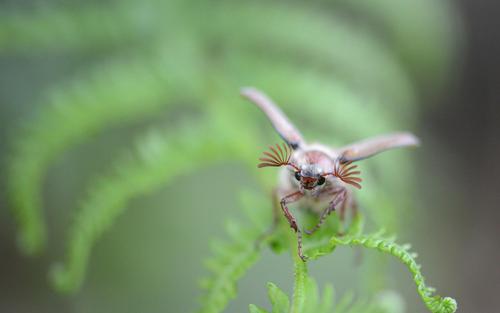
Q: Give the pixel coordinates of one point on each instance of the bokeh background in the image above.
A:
(429, 66)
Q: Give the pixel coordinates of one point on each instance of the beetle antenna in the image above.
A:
(346, 172)
(278, 156)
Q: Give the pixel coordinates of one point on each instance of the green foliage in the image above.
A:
(341, 80)
(116, 93)
(300, 284)
(160, 157)
(82, 28)
(279, 299)
(232, 259)
(370, 65)
(313, 304)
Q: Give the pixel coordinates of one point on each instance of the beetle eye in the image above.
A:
(297, 176)
(321, 180)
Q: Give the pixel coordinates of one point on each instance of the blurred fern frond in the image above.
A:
(113, 94)
(81, 28)
(419, 38)
(160, 157)
(350, 51)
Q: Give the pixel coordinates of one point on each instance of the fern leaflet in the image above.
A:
(158, 160)
(232, 259)
(313, 304)
(118, 92)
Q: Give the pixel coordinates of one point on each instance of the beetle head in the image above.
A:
(310, 176)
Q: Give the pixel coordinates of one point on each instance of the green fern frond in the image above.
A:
(351, 51)
(116, 93)
(333, 106)
(94, 26)
(159, 159)
(228, 265)
(313, 303)
(79, 28)
(255, 309)
(232, 259)
(434, 303)
(280, 302)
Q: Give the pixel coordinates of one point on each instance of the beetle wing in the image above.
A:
(371, 146)
(278, 119)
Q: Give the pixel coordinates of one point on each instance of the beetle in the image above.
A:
(315, 175)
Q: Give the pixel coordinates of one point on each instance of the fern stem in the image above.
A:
(300, 279)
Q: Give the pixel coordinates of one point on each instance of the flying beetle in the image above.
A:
(314, 175)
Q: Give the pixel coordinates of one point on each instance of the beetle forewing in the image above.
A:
(369, 147)
(278, 119)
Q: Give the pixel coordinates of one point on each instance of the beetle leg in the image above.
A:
(291, 220)
(342, 209)
(289, 199)
(339, 197)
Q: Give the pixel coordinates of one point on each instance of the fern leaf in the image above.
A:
(230, 262)
(116, 93)
(228, 265)
(280, 303)
(159, 159)
(255, 309)
(434, 303)
(289, 28)
(332, 106)
(313, 303)
(78, 28)
(279, 300)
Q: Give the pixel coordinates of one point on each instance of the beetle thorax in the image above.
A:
(313, 162)
(310, 170)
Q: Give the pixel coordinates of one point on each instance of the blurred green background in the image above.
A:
(342, 70)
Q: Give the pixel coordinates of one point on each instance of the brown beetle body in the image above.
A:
(314, 159)
(316, 176)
